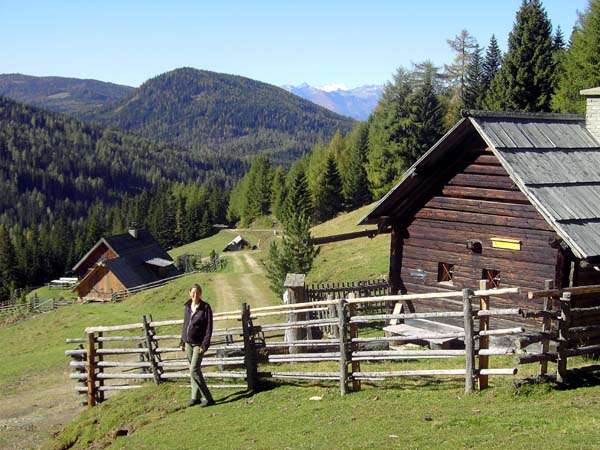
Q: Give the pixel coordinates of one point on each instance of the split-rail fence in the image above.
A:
(246, 352)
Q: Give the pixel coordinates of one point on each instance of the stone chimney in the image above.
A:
(592, 111)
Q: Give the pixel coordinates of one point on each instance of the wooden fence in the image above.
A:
(570, 327)
(239, 351)
(35, 305)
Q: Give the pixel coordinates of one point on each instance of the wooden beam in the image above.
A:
(346, 236)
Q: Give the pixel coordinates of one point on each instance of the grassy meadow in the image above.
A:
(405, 413)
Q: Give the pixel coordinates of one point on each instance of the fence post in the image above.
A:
(91, 370)
(332, 312)
(153, 357)
(294, 285)
(342, 330)
(484, 341)
(469, 347)
(546, 328)
(100, 356)
(353, 346)
(249, 354)
(563, 337)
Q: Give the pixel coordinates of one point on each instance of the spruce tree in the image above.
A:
(328, 196)
(580, 68)
(525, 80)
(355, 186)
(474, 89)
(298, 199)
(8, 263)
(294, 254)
(491, 63)
(388, 134)
(426, 122)
(278, 190)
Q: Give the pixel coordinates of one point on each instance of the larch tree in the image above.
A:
(463, 46)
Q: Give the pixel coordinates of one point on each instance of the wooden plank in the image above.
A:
(483, 181)
(557, 292)
(540, 259)
(482, 219)
(486, 169)
(484, 206)
(489, 194)
(484, 229)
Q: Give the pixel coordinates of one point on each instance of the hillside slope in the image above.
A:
(52, 162)
(223, 114)
(68, 95)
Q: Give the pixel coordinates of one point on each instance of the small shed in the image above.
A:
(122, 262)
(238, 243)
(513, 198)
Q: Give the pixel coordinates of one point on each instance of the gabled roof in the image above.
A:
(552, 158)
(144, 246)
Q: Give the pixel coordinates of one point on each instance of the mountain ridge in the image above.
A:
(224, 114)
(60, 94)
(357, 103)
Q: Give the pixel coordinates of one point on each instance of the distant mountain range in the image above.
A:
(69, 95)
(357, 103)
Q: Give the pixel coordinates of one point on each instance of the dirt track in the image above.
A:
(28, 417)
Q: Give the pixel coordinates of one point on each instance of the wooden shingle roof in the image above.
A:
(552, 158)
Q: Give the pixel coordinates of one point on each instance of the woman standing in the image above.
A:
(195, 340)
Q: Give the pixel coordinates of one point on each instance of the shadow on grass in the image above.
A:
(263, 386)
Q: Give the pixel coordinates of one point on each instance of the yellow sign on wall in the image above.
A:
(510, 244)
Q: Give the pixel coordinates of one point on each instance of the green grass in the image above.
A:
(403, 413)
(353, 260)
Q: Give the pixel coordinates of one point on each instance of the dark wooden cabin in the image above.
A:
(513, 198)
(122, 262)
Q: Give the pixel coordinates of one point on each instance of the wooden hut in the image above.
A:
(122, 262)
(513, 198)
(238, 243)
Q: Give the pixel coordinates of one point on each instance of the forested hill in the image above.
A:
(223, 114)
(69, 95)
(52, 165)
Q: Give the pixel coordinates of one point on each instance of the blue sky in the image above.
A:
(279, 42)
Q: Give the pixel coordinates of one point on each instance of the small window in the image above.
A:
(492, 277)
(445, 272)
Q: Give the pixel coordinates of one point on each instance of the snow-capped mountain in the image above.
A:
(357, 103)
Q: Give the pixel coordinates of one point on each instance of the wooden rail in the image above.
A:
(573, 331)
(249, 346)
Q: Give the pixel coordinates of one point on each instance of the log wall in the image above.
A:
(477, 201)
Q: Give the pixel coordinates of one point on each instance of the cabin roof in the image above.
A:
(143, 246)
(552, 158)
